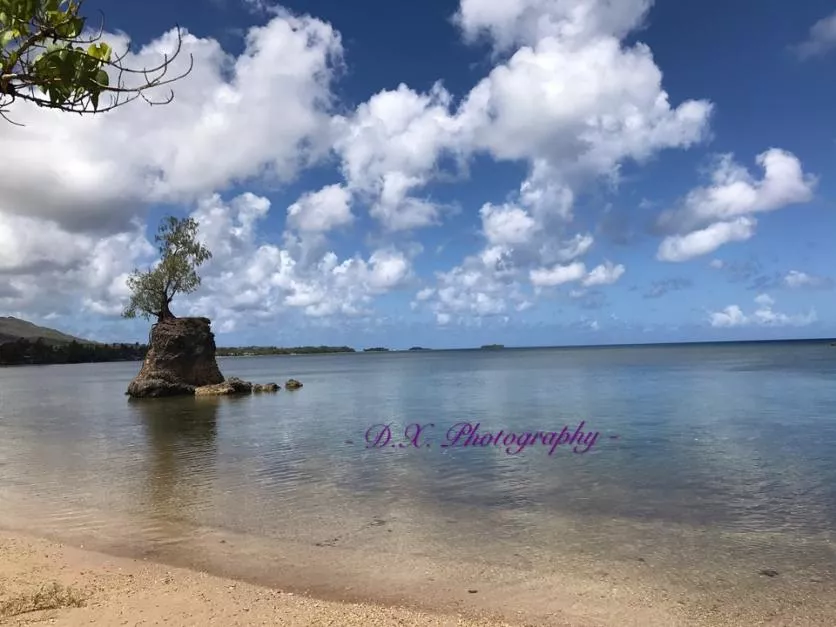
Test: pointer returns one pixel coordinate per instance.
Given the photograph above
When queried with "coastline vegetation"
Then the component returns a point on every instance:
(253, 351)
(23, 351)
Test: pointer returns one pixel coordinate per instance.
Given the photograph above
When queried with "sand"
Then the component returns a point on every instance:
(49, 582)
(43, 582)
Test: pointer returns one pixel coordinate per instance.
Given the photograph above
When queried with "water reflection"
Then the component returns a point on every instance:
(181, 436)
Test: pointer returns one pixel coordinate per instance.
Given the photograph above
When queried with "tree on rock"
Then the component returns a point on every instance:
(176, 273)
(48, 58)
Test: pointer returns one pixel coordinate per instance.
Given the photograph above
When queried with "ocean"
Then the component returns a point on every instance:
(710, 480)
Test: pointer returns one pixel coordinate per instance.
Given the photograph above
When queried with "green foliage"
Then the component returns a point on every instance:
(176, 273)
(27, 351)
(47, 57)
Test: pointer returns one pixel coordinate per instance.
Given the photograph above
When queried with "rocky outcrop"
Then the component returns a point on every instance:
(292, 384)
(234, 385)
(180, 358)
(266, 387)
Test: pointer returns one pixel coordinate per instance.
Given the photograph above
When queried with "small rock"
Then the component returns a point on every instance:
(473, 591)
(292, 384)
(768, 572)
(266, 387)
(233, 385)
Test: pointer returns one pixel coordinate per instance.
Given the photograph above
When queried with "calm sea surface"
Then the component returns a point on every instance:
(721, 455)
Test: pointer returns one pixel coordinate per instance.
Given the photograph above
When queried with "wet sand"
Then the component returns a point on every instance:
(47, 582)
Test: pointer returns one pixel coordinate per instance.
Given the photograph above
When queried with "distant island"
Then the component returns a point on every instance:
(253, 351)
(419, 348)
(492, 347)
(377, 349)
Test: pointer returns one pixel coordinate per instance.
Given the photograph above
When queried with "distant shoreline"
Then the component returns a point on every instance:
(107, 353)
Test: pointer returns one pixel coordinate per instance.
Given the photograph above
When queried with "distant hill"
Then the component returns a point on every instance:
(13, 329)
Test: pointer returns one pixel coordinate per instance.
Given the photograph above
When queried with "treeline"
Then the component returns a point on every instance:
(250, 351)
(23, 351)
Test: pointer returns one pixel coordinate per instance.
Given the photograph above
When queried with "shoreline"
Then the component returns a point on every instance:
(376, 580)
(43, 580)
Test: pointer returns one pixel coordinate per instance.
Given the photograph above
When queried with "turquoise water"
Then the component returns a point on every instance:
(720, 455)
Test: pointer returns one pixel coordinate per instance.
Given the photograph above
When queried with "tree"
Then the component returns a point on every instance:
(176, 273)
(47, 57)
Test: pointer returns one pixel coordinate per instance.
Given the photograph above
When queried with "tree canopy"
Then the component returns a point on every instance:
(176, 273)
(49, 58)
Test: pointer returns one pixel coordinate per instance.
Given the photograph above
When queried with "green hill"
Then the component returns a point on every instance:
(13, 329)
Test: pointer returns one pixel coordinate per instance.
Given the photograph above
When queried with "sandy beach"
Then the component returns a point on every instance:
(43, 582)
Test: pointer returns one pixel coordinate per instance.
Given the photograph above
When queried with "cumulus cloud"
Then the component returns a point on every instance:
(507, 224)
(321, 211)
(605, 274)
(389, 149)
(795, 279)
(558, 275)
(266, 279)
(705, 240)
(527, 22)
(221, 128)
(821, 38)
(569, 100)
(764, 315)
(573, 102)
(721, 212)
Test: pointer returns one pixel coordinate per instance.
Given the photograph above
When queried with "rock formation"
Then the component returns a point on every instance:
(233, 385)
(292, 384)
(180, 358)
(266, 387)
(181, 361)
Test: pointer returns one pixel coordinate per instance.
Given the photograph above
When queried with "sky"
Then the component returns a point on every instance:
(446, 174)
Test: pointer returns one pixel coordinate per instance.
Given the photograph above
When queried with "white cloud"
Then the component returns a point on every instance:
(764, 315)
(321, 211)
(389, 148)
(507, 224)
(571, 103)
(717, 264)
(706, 240)
(731, 316)
(265, 279)
(605, 274)
(821, 39)
(799, 280)
(558, 275)
(222, 127)
(722, 212)
(528, 21)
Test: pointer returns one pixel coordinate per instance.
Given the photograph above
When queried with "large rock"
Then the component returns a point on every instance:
(181, 357)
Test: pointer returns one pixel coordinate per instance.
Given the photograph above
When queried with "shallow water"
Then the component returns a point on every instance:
(712, 461)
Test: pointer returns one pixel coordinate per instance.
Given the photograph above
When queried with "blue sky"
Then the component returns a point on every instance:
(377, 173)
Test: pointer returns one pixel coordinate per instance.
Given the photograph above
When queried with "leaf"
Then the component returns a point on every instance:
(6, 37)
(100, 51)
